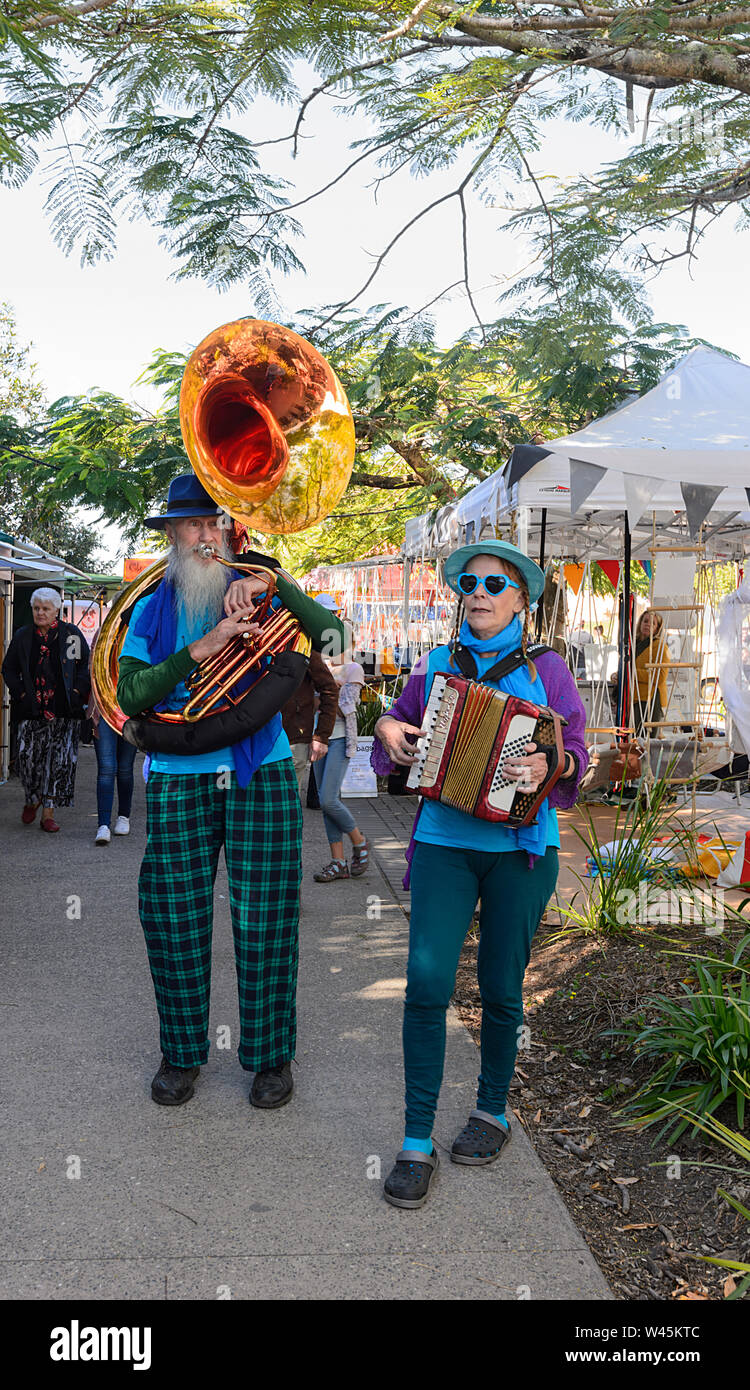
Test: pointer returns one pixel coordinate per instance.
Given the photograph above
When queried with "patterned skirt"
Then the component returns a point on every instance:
(47, 759)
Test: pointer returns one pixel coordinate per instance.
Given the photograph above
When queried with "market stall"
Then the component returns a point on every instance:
(396, 608)
(660, 480)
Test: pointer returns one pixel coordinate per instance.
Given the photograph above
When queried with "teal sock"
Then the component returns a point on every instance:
(502, 1120)
(422, 1146)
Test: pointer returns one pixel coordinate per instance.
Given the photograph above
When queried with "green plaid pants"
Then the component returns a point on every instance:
(189, 818)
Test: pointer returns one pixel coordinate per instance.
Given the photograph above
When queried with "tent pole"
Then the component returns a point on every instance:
(623, 700)
(543, 538)
(405, 614)
(523, 529)
(542, 543)
(6, 632)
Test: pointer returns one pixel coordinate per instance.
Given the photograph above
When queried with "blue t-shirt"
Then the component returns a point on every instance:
(439, 824)
(223, 759)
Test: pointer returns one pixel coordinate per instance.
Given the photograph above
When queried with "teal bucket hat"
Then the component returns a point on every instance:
(457, 562)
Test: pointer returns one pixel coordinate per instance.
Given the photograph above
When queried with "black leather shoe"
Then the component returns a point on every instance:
(272, 1088)
(173, 1085)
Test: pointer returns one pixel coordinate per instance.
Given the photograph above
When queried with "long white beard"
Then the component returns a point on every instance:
(201, 587)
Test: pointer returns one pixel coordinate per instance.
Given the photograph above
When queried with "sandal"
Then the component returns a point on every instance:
(360, 858)
(481, 1140)
(331, 871)
(408, 1182)
(28, 814)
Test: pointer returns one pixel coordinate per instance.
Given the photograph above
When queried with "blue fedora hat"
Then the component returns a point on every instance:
(186, 497)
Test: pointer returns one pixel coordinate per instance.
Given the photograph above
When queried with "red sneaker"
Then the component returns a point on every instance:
(28, 813)
(48, 824)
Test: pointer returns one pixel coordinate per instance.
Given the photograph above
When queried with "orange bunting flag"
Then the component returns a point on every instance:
(574, 576)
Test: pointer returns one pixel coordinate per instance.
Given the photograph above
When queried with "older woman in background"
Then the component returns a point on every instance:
(46, 670)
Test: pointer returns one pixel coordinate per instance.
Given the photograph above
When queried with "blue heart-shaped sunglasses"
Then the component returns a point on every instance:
(493, 584)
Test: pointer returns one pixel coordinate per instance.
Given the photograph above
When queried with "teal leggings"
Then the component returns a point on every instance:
(445, 886)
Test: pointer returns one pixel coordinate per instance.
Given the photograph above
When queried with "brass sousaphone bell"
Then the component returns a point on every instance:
(269, 432)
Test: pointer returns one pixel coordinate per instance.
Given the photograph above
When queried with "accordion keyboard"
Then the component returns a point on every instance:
(428, 762)
(503, 789)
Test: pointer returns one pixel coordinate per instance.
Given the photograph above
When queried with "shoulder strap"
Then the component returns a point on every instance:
(468, 667)
(464, 660)
(256, 557)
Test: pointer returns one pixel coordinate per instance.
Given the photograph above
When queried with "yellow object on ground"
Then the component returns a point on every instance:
(713, 854)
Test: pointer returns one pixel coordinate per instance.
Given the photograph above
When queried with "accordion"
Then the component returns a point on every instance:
(470, 732)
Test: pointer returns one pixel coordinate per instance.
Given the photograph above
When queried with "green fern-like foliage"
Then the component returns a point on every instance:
(431, 421)
(147, 111)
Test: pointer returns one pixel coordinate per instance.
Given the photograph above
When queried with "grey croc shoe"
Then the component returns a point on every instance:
(481, 1140)
(408, 1182)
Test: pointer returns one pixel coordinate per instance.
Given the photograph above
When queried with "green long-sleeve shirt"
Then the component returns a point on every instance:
(141, 686)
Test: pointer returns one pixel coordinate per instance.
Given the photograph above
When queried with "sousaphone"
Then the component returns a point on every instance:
(269, 432)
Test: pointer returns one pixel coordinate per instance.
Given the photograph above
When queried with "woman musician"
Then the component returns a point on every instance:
(456, 859)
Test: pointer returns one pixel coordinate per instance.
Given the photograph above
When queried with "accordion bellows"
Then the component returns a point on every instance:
(471, 731)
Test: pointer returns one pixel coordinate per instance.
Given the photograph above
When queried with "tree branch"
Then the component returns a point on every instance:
(444, 198)
(382, 144)
(100, 71)
(432, 301)
(351, 72)
(465, 250)
(425, 471)
(527, 166)
(595, 21)
(221, 104)
(644, 66)
(408, 23)
(64, 17)
(376, 480)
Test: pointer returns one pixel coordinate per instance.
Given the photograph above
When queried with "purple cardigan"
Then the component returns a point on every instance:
(562, 696)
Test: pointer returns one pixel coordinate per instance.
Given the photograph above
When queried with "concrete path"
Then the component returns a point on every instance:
(216, 1199)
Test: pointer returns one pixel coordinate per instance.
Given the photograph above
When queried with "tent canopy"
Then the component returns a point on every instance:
(680, 451)
(692, 427)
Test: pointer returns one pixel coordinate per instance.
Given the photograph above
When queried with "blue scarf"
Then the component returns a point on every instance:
(532, 838)
(157, 623)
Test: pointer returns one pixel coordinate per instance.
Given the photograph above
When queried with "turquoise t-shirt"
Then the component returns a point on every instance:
(223, 758)
(439, 824)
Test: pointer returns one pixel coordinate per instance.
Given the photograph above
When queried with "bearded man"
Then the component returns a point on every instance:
(244, 798)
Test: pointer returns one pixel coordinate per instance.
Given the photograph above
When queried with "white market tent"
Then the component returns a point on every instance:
(679, 454)
(674, 462)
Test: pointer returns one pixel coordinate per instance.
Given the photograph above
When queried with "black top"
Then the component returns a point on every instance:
(69, 662)
(46, 671)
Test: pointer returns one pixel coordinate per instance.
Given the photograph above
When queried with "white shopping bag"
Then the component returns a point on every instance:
(359, 778)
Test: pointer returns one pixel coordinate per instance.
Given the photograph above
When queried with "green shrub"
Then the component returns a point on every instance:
(368, 714)
(638, 823)
(701, 1044)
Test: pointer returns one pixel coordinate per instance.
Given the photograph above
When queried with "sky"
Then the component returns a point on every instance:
(97, 327)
